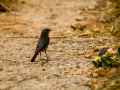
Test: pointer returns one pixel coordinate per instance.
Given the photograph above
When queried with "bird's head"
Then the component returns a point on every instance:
(45, 31)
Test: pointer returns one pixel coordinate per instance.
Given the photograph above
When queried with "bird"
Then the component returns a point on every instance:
(42, 44)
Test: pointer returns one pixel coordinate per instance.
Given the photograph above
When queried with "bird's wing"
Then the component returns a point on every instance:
(41, 46)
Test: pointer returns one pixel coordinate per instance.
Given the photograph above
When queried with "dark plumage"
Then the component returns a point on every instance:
(42, 44)
(103, 51)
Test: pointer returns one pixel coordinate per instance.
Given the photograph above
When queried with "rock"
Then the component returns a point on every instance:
(57, 75)
(79, 72)
(112, 72)
(82, 65)
(43, 69)
(83, 84)
(78, 26)
(95, 49)
(97, 84)
(113, 82)
(87, 55)
(78, 67)
(80, 18)
(100, 71)
(89, 74)
(110, 50)
(92, 6)
(59, 49)
(95, 75)
(1, 69)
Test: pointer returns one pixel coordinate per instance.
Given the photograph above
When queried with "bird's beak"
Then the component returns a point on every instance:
(50, 30)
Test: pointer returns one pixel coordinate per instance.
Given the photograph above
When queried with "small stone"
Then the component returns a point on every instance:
(1, 69)
(78, 19)
(23, 2)
(100, 71)
(63, 86)
(42, 64)
(89, 74)
(91, 7)
(88, 55)
(83, 84)
(113, 82)
(95, 49)
(59, 49)
(110, 50)
(53, 68)
(112, 72)
(82, 65)
(96, 84)
(7, 28)
(78, 67)
(79, 72)
(95, 75)
(56, 75)
(43, 69)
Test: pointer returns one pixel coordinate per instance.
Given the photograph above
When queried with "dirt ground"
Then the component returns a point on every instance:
(19, 33)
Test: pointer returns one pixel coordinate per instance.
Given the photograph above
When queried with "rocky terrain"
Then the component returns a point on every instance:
(19, 33)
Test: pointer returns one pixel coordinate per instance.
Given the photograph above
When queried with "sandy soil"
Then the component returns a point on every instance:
(19, 33)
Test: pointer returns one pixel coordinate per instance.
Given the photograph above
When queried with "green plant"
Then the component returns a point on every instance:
(105, 61)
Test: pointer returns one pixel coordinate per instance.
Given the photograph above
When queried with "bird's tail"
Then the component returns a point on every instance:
(34, 57)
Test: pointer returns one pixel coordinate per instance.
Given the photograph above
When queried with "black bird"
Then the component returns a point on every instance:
(42, 44)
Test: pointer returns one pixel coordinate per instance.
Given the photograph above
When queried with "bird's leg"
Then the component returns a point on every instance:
(40, 55)
(46, 55)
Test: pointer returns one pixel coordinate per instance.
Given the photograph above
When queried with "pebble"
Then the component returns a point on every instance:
(95, 75)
